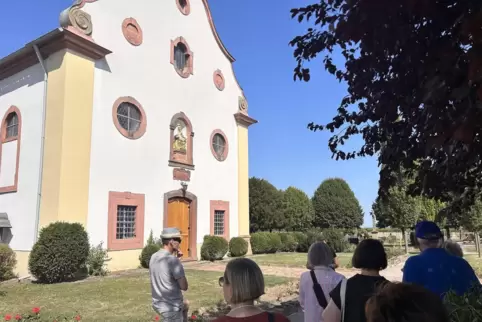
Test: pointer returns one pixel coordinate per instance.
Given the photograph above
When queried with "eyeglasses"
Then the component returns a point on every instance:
(179, 240)
(221, 281)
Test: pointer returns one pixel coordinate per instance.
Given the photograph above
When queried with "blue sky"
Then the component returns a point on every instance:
(282, 150)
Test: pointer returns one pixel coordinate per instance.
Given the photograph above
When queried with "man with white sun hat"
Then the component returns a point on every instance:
(168, 279)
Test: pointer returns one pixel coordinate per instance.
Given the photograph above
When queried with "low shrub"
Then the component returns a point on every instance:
(274, 243)
(97, 261)
(238, 247)
(301, 242)
(466, 307)
(336, 239)
(214, 248)
(146, 254)
(265, 243)
(288, 242)
(8, 260)
(259, 243)
(61, 251)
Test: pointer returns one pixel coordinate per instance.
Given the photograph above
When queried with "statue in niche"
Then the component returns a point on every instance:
(180, 137)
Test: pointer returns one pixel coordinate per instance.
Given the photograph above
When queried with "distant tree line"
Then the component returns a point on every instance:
(333, 205)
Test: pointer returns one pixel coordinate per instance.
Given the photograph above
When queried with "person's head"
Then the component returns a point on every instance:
(370, 255)
(453, 248)
(428, 235)
(242, 282)
(394, 302)
(171, 239)
(319, 254)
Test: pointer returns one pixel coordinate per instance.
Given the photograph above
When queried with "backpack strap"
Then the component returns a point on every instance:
(320, 295)
(270, 317)
(343, 298)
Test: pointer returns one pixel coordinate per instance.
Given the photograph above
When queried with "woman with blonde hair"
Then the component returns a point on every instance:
(243, 284)
(318, 282)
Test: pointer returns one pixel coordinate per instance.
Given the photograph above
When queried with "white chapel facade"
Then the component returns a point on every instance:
(128, 118)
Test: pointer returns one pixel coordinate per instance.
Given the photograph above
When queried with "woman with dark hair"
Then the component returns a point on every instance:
(405, 303)
(348, 299)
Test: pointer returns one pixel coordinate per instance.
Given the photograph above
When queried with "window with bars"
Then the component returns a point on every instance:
(219, 222)
(129, 117)
(11, 125)
(219, 144)
(126, 222)
(180, 56)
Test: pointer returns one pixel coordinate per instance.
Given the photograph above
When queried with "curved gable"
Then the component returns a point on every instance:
(81, 3)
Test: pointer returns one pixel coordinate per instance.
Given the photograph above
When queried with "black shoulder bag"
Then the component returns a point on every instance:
(320, 296)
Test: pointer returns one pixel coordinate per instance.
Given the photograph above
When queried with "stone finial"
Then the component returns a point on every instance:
(243, 105)
(77, 18)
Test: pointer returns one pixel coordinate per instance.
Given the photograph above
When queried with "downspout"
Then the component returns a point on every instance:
(42, 142)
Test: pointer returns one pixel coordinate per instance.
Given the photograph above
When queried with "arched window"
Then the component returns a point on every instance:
(182, 57)
(181, 142)
(10, 132)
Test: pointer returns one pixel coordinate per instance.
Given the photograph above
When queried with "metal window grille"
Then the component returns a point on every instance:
(180, 56)
(129, 117)
(126, 222)
(219, 144)
(219, 222)
(12, 125)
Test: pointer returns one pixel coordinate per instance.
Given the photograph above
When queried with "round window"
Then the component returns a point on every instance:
(129, 117)
(219, 146)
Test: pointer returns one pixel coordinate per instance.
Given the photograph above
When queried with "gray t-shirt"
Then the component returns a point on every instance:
(165, 269)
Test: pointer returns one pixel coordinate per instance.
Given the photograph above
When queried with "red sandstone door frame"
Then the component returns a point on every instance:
(192, 218)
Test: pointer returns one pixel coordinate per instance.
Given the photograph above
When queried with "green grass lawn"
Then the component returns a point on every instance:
(476, 263)
(293, 259)
(126, 298)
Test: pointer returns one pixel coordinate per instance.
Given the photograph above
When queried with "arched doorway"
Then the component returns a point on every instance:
(180, 211)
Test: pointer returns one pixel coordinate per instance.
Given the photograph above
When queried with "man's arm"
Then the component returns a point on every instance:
(411, 273)
(178, 274)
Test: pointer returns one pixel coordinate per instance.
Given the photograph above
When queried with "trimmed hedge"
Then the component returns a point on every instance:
(60, 252)
(301, 240)
(146, 254)
(336, 239)
(8, 260)
(288, 242)
(214, 248)
(238, 247)
(265, 243)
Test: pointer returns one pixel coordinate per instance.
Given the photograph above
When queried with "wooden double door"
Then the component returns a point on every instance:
(178, 216)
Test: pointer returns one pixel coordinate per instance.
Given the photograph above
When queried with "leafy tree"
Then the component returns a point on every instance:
(413, 72)
(381, 216)
(336, 206)
(297, 209)
(429, 208)
(265, 205)
(398, 209)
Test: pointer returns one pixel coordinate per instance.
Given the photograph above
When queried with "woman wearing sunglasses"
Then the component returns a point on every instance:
(243, 284)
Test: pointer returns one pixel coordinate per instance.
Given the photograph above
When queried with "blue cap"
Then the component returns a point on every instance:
(428, 230)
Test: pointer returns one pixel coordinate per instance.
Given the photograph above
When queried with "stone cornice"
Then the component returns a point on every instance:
(244, 119)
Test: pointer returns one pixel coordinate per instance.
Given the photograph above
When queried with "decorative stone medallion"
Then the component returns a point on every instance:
(218, 79)
(132, 31)
(243, 105)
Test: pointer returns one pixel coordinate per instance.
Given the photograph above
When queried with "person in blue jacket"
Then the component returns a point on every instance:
(436, 269)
